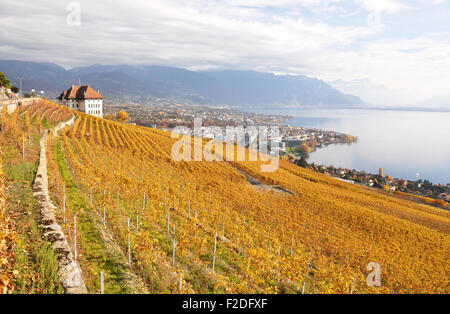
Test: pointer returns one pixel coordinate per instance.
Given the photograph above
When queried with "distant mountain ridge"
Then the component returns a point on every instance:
(375, 94)
(226, 87)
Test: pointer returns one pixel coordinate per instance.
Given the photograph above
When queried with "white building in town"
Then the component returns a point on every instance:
(83, 98)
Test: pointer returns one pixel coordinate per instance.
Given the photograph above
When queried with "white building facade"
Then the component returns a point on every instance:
(84, 99)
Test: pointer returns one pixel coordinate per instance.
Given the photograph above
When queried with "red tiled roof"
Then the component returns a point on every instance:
(80, 92)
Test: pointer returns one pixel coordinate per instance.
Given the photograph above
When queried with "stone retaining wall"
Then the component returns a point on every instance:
(68, 269)
(12, 104)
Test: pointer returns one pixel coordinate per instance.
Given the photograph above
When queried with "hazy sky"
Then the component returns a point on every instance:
(398, 43)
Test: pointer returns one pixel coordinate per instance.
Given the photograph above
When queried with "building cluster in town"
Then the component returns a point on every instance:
(418, 187)
(169, 115)
(300, 141)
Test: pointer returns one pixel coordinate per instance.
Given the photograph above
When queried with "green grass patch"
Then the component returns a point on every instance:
(45, 123)
(35, 264)
(94, 256)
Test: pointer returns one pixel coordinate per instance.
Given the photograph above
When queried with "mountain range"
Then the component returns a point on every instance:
(375, 94)
(378, 95)
(240, 88)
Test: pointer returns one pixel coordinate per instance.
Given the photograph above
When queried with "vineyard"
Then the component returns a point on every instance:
(6, 233)
(27, 262)
(151, 224)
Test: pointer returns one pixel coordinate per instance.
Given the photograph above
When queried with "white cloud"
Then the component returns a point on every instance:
(383, 6)
(255, 34)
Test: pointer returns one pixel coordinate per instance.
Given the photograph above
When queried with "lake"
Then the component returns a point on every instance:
(403, 143)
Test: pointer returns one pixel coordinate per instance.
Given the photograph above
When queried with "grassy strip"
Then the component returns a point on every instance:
(35, 263)
(94, 256)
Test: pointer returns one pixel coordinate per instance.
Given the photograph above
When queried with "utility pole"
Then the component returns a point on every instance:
(20, 78)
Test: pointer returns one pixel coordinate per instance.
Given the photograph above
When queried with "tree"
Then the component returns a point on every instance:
(15, 89)
(4, 81)
(440, 202)
(122, 116)
(302, 162)
(109, 117)
(305, 148)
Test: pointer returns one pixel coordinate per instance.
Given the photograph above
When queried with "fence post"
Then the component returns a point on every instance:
(143, 203)
(214, 257)
(137, 220)
(292, 246)
(168, 224)
(102, 286)
(64, 203)
(129, 245)
(223, 226)
(75, 235)
(278, 260)
(173, 247)
(118, 204)
(165, 199)
(248, 268)
(352, 287)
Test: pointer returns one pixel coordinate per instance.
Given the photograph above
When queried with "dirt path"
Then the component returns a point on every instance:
(265, 187)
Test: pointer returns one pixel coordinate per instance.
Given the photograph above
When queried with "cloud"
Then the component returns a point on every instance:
(383, 6)
(283, 36)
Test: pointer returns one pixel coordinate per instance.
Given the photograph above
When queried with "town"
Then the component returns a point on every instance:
(167, 115)
(426, 192)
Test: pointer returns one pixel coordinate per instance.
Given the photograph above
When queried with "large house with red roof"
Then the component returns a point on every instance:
(83, 98)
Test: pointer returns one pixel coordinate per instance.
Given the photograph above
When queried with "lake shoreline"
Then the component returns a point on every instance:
(407, 144)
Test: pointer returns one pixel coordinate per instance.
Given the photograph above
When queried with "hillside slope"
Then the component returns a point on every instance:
(203, 225)
(323, 235)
